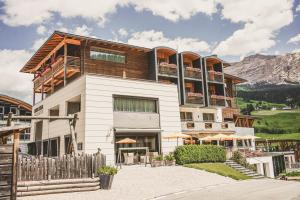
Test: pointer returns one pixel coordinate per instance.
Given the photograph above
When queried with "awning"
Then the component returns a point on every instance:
(137, 130)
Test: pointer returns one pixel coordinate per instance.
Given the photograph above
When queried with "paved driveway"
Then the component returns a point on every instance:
(138, 182)
(245, 190)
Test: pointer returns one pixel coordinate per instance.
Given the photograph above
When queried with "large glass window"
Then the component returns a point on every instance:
(186, 116)
(132, 104)
(101, 55)
(208, 117)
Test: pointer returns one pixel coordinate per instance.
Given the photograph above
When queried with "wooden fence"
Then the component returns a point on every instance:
(65, 167)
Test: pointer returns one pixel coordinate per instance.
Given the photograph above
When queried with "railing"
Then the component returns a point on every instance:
(215, 76)
(194, 98)
(167, 69)
(194, 73)
(229, 112)
(217, 100)
(34, 168)
(55, 68)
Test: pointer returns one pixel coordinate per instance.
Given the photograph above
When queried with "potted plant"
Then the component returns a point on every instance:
(106, 175)
(157, 161)
(169, 159)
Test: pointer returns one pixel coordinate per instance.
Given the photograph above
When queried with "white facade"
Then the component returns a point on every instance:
(95, 127)
(264, 165)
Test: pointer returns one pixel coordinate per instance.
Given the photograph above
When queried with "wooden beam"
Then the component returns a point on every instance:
(15, 164)
(65, 63)
(49, 55)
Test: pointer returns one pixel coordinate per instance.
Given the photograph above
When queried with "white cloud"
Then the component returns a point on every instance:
(298, 7)
(17, 13)
(123, 32)
(154, 38)
(38, 43)
(262, 20)
(295, 39)
(13, 82)
(82, 30)
(176, 10)
(41, 30)
(296, 51)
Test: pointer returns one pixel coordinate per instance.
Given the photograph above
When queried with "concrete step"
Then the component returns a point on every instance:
(243, 170)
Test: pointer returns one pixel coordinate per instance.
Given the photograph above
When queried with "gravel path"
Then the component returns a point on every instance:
(139, 182)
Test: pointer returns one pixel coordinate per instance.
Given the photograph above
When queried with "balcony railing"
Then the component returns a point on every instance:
(215, 76)
(194, 73)
(167, 69)
(55, 68)
(194, 98)
(217, 100)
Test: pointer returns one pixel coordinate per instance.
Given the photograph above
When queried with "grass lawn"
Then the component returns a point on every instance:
(278, 122)
(279, 136)
(219, 168)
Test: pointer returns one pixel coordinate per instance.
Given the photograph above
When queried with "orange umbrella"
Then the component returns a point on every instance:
(126, 141)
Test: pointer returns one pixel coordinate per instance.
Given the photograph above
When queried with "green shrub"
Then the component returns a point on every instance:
(240, 159)
(199, 154)
(169, 157)
(107, 170)
(159, 158)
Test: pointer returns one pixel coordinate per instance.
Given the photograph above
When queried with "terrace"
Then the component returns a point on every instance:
(193, 92)
(191, 63)
(167, 62)
(214, 70)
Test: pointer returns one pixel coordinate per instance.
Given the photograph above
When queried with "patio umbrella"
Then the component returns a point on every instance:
(126, 141)
(176, 136)
(248, 137)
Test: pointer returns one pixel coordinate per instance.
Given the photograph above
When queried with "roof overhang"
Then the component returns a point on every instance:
(235, 79)
(16, 102)
(56, 41)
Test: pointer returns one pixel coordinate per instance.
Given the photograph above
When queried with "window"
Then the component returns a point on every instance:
(68, 144)
(38, 130)
(54, 147)
(224, 126)
(132, 104)
(54, 112)
(1, 112)
(208, 125)
(102, 55)
(73, 107)
(208, 117)
(186, 116)
(13, 110)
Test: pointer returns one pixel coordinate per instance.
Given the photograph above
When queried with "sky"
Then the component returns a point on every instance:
(232, 29)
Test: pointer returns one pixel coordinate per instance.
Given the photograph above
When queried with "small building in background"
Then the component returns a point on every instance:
(17, 107)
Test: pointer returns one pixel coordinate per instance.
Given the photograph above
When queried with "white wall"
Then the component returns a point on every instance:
(259, 161)
(60, 128)
(99, 110)
(241, 131)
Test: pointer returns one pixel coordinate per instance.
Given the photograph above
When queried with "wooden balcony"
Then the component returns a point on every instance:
(217, 100)
(228, 113)
(194, 73)
(215, 76)
(55, 73)
(194, 98)
(165, 68)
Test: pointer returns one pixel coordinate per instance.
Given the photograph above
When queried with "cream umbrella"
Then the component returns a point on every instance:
(248, 137)
(126, 141)
(176, 136)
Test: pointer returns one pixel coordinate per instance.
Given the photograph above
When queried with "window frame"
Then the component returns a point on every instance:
(186, 119)
(108, 52)
(156, 106)
(208, 120)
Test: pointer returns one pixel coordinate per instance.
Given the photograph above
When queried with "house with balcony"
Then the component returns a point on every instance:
(119, 91)
(15, 106)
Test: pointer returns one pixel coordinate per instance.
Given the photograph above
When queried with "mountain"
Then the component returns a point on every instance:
(268, 69)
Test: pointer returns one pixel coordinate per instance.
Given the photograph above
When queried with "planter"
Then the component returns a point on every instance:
(106, 181)
(157, 163)
(169, 162)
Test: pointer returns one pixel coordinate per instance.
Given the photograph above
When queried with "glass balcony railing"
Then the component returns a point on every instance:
(215, 76)
(194, 98)
(217, 100)
(194, 73)
(167, 69)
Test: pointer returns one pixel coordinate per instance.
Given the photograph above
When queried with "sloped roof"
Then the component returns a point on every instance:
(15, 101)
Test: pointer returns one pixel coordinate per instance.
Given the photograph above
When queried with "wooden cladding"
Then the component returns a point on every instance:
(135, 66)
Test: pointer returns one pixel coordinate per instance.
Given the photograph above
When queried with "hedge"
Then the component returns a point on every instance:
(199, 154)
